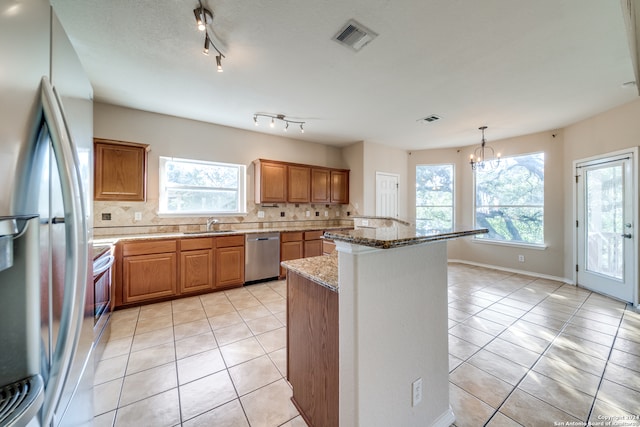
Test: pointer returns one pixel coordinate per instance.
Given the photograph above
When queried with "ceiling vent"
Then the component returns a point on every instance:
(430, 119)
(354, 35)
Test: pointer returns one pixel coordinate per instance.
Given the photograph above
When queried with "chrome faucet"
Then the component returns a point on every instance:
(210, 222)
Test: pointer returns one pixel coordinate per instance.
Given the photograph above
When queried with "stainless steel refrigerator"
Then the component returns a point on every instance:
(46, 285)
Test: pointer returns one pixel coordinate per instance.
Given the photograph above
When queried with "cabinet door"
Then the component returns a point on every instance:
(339, 186)
(299, 184)
(229, 266)
(312, 248)
(271, 182)
(196, 270)
(290, 250)
(320, 186)
(146, 277)
(120, 171)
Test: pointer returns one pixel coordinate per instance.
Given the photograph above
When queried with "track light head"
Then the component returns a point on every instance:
(205, 51)
(203, 17)
(273, 123)
(255, 120)
(219, 63)
(301, 128)
(286, 127)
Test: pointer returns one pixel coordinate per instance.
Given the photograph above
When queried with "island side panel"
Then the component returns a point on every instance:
(393, 330)
(312, 349)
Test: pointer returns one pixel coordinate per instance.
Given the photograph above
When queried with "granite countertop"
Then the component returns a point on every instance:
(394, 237)
(101, 240)
(322, 270)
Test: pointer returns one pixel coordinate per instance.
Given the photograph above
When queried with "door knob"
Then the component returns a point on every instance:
(626, 235)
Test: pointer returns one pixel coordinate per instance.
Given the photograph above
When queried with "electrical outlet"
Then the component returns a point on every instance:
(365, 222)
(317, 213)
(106, 217)
(416, 395)
(281, 213)
(520, 258)
(337, 213)
(326, 213)
(307, 213)
(260, 214)
(137, 216)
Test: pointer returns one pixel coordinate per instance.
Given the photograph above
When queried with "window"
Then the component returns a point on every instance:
(199, 187)
(434, 199)
(510, 200)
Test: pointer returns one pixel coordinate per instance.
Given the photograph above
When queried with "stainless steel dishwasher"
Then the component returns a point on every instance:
(262, 256)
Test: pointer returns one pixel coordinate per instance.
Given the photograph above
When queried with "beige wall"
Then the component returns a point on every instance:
(545, 262)
(380, 158)
(614, 130)
(610, 131)
(354, 158)
(177, 137)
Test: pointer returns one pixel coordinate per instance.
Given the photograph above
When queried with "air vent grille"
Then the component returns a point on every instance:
(354, 35)
(430, 118)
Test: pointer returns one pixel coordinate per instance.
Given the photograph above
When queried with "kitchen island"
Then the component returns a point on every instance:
(374, 315)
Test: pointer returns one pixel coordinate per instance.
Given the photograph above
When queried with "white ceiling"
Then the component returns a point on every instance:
(516, 66)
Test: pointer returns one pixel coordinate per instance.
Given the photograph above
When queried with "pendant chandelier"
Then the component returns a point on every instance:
(484, 155)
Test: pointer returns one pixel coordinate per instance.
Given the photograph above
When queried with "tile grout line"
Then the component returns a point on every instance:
(541, 354)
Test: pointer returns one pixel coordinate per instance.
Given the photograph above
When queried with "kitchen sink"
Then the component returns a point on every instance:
(211, 232)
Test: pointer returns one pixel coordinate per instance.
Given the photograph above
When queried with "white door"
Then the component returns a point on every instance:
(605, 226)
(387, 194)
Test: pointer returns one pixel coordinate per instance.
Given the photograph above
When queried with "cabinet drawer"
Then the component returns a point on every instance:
(328, 246)
(291, 236)
(227, 241)
(313, 235)
(197, 243)
(149, 247)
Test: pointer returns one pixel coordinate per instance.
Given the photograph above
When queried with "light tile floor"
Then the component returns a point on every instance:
(522, 351)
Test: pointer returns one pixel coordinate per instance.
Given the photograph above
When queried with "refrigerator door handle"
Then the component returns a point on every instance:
(76, 262)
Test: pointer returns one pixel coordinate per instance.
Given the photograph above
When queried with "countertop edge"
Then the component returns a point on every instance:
(322, 270)
(401, 242)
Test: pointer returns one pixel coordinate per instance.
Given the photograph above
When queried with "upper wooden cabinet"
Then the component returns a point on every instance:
(299, 184)
(270, 182)
(320, 185)
(120, 170)
(280, 182)
(340, 186)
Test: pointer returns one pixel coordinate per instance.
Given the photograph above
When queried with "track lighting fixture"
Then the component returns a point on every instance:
(484, 155)
(204, 17)
(280, 117)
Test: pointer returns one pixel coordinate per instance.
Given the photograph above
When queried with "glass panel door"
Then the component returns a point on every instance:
(605, 240)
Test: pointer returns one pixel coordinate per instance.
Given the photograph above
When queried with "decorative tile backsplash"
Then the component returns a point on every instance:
(124, 218)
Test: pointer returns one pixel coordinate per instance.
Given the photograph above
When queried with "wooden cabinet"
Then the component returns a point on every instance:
(328, 246)
(154, 270)
(340, 186)
(197, 264)
(270, 182)
(149, 271)
(313, 349)
(281, 182)
(229, 261)
(298, 184)
(120, 170)
(313, 243)
(320, 185)
(291, 247)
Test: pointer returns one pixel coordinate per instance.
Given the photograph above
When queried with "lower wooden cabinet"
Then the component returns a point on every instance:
(313, 243)
(230, 266)
(291, 247)
(148, 277)
(152, 270)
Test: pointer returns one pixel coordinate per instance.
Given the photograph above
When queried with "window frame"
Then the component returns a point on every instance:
(511, 243)
(241, 196)
(453, 192)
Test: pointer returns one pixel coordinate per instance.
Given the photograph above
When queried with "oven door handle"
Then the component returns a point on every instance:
(104, 265)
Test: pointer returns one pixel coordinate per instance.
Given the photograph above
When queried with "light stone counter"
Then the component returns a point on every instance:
(322, 270)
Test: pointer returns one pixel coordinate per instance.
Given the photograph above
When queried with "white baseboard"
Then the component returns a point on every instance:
(513, 270)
